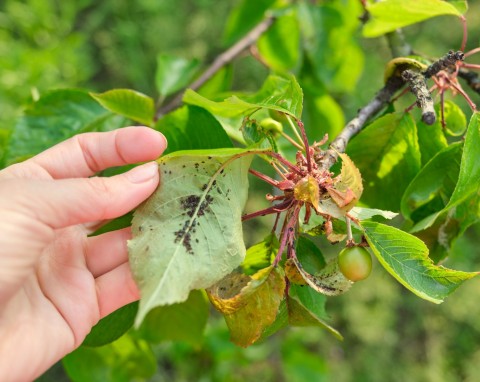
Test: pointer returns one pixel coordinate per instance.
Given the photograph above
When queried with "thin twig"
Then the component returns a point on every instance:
(223, 59)
(418, 86)
(353, 127)
(471, 78)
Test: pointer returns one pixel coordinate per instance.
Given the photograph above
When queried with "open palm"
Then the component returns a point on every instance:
(55, 281)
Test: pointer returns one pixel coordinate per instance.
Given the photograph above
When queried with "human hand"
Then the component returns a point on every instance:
(55, 282)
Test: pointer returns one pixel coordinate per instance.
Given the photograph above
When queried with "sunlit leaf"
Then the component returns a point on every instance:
(277, 93)
(188, 235)
(173, 73)
(389, 15)
(260, 255)
(128, 103)
(362, 213)
(405, 257)
(249, 303)
(279, 47)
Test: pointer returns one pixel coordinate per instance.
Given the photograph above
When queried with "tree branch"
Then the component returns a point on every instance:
(223, 59)
(471, 78)
(353, 127)
(418, 86)
(381, 99)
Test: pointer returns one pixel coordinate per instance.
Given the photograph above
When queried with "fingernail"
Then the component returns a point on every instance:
(143, 173)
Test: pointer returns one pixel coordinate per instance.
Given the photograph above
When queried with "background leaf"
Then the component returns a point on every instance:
(173, 73)
(387, 154)
(260, 255)
(128, 103)
(185, 321)
(124, 360)
(197, 238)
(389, 15)
(431, 189)
(56, 116)
(307, 308)
(406, 258)
(279, 47)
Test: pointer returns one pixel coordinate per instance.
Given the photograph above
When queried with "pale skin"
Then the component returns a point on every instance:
(55, 281)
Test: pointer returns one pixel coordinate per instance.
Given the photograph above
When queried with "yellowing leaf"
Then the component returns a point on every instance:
(349, 187)
(307, 190)
(329, 281)
(249, 303)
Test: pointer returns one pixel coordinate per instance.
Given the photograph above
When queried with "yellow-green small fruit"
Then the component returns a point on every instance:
(355, 263)
(271, 126)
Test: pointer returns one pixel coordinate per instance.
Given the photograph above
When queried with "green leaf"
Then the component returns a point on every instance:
(188, 235)
(321, 112)
(279, 47)
(330, 41)
(455, 120)
(362, 213)
(173, 73)
(431, 139)
(461, 5)
(191, 127)
(467, 186)
(387, 154)
(389, 15)
(111, 327)
(277, 93)
(249, 304)
(124, 360)
(128, 103)
(244, 17)
(431, 189)
(468, 180)
(185, 321)
(260, 255)
(406, 258)
(307, 308)
(56, 116)
(219, 83)
(309, 255)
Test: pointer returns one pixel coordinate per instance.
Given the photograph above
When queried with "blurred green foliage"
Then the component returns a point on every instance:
(390, 334)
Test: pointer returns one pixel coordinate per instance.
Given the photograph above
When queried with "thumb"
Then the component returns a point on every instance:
(65, 202)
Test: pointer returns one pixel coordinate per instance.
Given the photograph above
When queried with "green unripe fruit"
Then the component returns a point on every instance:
(355, 263)
(271, 126)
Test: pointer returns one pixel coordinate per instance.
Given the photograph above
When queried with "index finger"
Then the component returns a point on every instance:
(86, 154)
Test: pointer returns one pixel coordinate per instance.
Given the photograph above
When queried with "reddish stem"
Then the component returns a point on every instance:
(471, 66)
(472, 52)
(459, 89)
(270, 210)
(465, 32)
(264, 177)
(285, 162)
(288, 230)
(305, 143)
